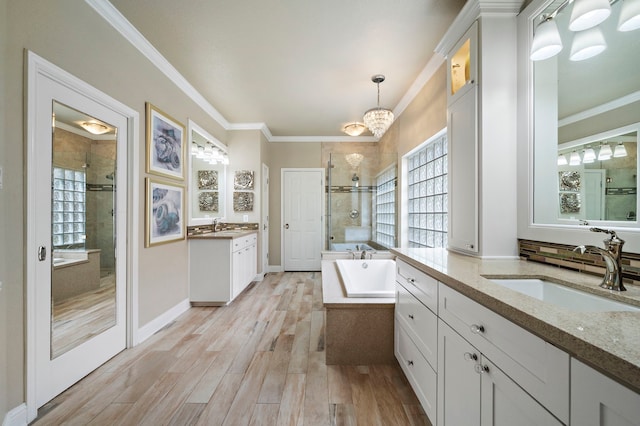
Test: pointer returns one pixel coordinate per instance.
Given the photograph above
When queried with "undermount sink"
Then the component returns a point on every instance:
(563, 296)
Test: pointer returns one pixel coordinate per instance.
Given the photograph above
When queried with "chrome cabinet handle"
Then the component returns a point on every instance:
(477, 329)
(409, 363)
(481, 369)
(411, 280)
(470, 356)
(411, 316)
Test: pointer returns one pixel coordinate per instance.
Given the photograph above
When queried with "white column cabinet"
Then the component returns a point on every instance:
(596, 400)
(480, 47)
(221, 268)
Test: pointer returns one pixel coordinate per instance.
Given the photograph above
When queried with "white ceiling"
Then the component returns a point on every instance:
(303, 68)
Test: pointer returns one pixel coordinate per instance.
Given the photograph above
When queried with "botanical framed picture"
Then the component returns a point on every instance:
(164, 213)
(165, 144)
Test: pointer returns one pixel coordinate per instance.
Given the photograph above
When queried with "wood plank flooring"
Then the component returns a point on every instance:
(258, 361)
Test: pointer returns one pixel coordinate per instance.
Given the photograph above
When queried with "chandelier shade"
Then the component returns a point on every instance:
(629, 16)
(354, 129)
(546, 41)
(378, 119)
(588, 13)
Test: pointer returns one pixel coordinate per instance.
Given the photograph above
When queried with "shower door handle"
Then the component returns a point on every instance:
(286, 226)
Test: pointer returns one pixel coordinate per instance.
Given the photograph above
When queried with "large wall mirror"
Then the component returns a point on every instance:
(207, 177)
(586, 115)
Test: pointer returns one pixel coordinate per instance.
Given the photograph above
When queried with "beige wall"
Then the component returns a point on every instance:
(285, 155)
(71, 35)
(6, 401)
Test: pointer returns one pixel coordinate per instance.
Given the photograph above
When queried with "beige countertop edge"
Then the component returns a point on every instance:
(596, 345)
(333, 296)
(222, 235)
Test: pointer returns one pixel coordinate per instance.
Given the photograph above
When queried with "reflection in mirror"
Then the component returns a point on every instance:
(579, 104)
(83, 264)
(597, 178)
(209, 161)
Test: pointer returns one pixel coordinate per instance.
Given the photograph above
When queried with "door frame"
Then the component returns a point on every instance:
(323, 205)
(37, 67)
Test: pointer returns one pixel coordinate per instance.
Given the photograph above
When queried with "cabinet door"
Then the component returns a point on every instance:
(462, 125)
(238, 273)
(458, 382)
(599, 401)
(504, 403)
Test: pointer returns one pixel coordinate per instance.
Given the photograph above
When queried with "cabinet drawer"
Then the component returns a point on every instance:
(419, 323)
(423, 379)
(539, 367)
(243, 242)
(421, 285)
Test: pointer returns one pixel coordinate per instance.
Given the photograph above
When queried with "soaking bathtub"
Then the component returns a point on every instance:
(368, 278)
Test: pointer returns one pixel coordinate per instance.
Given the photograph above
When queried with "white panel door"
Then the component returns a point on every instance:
(51, 371)
(302, 218)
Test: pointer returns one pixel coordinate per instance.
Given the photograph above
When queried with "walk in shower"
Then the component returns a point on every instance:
(360, 197)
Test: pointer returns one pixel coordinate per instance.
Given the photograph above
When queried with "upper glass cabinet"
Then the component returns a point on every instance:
(462, 64)
(207, 177)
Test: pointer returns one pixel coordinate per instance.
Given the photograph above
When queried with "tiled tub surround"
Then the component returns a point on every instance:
(358, 330)
(607, 341)
(562, 255)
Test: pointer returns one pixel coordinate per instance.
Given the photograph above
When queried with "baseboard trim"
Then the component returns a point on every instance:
(274, 268)
(16, 416)
(161, 321)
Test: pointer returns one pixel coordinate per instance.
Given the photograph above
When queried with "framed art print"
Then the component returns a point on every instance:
(165, 144)
(164, 215)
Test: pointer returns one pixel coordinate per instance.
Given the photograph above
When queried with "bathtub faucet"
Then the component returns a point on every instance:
(363, 255)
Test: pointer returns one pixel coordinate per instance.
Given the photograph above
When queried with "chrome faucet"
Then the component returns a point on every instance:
(363, 255)
(612, 255)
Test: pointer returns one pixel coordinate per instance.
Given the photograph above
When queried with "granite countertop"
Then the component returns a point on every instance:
(223, 235)
(607, 341)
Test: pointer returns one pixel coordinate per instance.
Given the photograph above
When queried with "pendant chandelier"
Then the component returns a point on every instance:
(378, 119)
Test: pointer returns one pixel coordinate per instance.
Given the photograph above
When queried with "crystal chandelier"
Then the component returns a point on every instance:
(378, 119)
(354, 159)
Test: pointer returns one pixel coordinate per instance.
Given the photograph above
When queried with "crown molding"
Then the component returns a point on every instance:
(471, 11)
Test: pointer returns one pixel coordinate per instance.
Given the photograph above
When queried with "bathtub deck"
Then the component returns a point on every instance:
(359, 330)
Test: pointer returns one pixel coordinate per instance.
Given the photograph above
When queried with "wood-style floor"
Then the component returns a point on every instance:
(258, 361)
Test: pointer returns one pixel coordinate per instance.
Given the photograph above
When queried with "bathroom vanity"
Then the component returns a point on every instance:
(474, 349)
(221, 265)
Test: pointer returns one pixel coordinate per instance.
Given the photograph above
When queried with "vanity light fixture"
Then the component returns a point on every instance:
(378, 119)
(588, 14)
(574, 159)
(562, 160)
(587, 44)
(94, 127)
(546, 41)
(588, 155)
(605, 152)
(620, 151)
(354, 129)
(629, 15)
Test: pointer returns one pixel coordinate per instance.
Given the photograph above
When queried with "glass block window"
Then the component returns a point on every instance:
(386, 183)
(427, 194)
(68, 208)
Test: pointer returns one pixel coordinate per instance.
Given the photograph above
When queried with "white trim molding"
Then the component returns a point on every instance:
(16, 416)
(162, 320)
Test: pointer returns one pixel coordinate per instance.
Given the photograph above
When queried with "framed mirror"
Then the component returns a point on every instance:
(207, 177)
(581, 107)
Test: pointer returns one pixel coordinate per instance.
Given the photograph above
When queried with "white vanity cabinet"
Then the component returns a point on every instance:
(220, 268)
(597, 400)
(472, 388)
(537, 366)
(416, 330)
